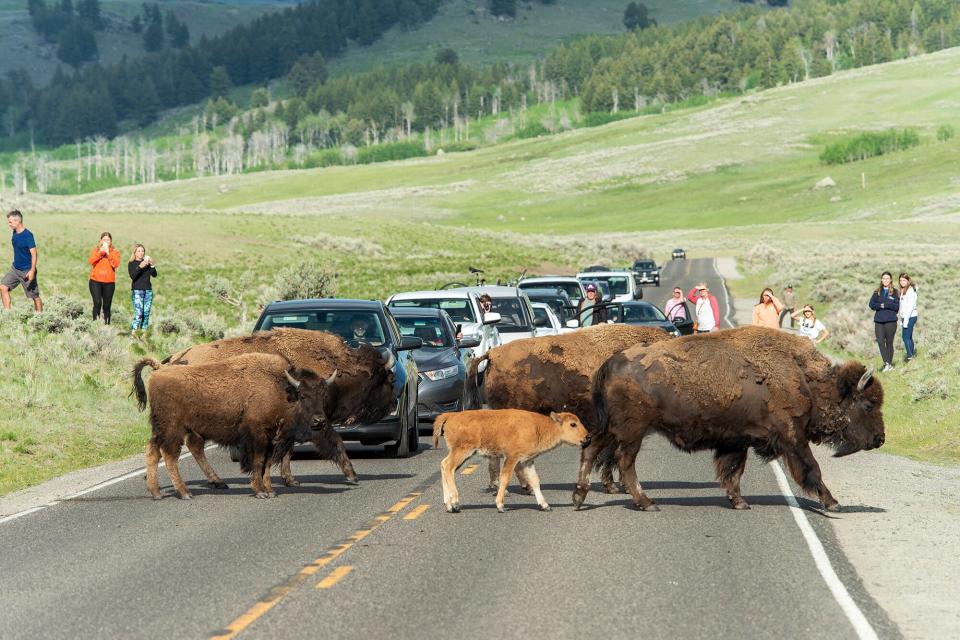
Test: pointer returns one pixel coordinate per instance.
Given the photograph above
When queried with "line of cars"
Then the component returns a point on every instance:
(435, 334)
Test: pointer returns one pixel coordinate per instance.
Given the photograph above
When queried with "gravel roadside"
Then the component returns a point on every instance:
(901, 529)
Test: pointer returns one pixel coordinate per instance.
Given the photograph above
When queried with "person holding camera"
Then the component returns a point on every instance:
(103, 278)
(141, 268)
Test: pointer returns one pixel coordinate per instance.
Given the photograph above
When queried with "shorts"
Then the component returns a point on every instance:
(15, 278)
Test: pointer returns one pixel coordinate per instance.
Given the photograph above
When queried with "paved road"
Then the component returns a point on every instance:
(383, 559)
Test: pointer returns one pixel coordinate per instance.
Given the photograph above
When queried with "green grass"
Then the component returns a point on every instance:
(719, 180)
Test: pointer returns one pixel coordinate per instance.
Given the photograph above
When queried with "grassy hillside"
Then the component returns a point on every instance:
(478, 37)
(732, 179)
(22, 48)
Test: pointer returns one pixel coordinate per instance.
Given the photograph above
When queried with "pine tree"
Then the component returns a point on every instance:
(153, 34)
(507, 8)
(89, 10)
(220, 83)
(77, 44)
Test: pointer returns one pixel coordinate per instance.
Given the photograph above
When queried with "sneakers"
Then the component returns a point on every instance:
(886, 367)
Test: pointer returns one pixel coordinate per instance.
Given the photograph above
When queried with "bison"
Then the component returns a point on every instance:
(363, 391)
(518, 436)
(553, 373)
(258, 402)
(729, 391)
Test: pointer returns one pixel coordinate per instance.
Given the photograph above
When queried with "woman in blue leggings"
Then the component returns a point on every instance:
(141, 269)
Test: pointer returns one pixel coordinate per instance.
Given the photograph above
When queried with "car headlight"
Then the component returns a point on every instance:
(442, 374)
(676, 332)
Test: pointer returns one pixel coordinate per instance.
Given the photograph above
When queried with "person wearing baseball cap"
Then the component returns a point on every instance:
(591, 316)
(707, 314)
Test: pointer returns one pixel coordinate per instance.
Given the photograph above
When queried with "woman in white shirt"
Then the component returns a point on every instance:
(810, 327)
(907, 313)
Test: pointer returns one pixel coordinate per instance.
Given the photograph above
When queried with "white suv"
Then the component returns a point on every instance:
(623, 287)
(512, 308)
(571, 285)
(462, 306)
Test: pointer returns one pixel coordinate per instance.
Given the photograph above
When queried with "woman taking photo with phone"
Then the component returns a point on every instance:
(141, 268)
(885, 303)
(103, 278)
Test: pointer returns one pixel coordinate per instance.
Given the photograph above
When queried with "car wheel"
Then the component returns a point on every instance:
(401, 448)
(414, 436)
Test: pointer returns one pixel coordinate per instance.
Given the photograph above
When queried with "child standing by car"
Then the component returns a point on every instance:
(908, 313)
(141, 268)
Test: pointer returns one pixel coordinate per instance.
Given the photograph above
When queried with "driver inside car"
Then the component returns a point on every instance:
(358, 329)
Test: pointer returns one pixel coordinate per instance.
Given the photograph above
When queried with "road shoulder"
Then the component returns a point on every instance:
(900, 528)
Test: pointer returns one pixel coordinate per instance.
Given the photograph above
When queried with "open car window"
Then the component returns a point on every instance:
(360, 326)
(433, 332)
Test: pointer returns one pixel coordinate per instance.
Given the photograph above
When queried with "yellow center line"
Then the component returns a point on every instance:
(284, 589)
(468, 470)
(335, 576)
(416, 513)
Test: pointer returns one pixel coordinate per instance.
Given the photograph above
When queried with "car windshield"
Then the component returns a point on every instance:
(619, 285)
(356, 326)
(571, 288)
(458, 309)
(556, 304)
(643, 264)
(512, 316)
(641, 313)
(431, 330)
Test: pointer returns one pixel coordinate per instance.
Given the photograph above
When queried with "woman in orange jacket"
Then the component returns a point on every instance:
(105, 260)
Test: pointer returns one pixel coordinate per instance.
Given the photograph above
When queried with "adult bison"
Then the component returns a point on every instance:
(553, 373)
(362, 393)
(257, 402)
(729, 391)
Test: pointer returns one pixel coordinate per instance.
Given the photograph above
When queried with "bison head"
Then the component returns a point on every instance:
(859, 423)
(368, 394)
(312, 394)
(572, 430)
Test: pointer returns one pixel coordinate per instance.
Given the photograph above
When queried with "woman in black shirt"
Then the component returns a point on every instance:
(141, 269)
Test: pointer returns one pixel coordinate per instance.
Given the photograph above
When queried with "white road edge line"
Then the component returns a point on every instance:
(723, 283)
(90, 489)
(859, 621)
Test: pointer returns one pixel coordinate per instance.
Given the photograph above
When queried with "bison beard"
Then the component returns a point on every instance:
(759, 388)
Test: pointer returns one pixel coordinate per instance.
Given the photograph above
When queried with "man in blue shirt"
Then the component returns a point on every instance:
(24, 268)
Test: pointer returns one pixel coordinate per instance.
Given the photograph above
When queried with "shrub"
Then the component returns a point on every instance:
(599, 118)
(868, 145)
(928, 388)
(325, 158)
(303, 280)
(168, 326)
(391, 151)
(207, 326)
(465, 145)
(760, 257)
(532, 130)
(945, 132)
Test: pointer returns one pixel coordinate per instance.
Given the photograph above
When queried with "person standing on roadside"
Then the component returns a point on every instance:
(707, 314)
(103, 277)
(810, 327)
(141, 268)
(767, 312)
(907, 314)
(676, 307)
(789, 304)
(23, 271)
(885, 303)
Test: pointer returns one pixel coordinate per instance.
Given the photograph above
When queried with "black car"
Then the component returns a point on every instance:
(679, 254)
(442, 370)
(370, 322)
(644, 314)
(646, 272)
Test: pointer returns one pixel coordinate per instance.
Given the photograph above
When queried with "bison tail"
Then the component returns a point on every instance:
(438, 429)
(601, 416)
(139, 390)
(472, 398)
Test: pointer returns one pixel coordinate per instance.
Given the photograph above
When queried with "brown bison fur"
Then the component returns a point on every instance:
(517, 436)
(729, 391)
(362, 393)
(258, 402)
(554, 373)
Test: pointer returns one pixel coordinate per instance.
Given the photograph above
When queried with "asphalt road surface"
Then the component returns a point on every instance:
(328, 560)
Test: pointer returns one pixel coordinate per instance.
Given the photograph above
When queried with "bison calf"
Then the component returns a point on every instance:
(257, 402)
(518, 436)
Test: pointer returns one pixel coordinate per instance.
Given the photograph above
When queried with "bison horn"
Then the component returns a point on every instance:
(293, 381)
(333, 376)
(864, 379)
(386, 355)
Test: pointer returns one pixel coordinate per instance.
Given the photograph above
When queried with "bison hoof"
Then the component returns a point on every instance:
(741, 506)
(453, 508)
(186, 496)
(545, 507)
(353, 480)
(158, 497)
(611, 488)
(292, 482)
(261, 494)
(491, 488)
(578, 499)
(219, 485)
(835, 507)
(649, 507)
(501, 508)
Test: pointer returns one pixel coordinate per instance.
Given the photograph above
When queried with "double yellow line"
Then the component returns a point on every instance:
(285, 588)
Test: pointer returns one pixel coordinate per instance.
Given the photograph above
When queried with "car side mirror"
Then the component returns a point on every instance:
(410, 342)
(541, 322)
(638, 294)
(491, 317)
(573, 324)
(469, 343)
